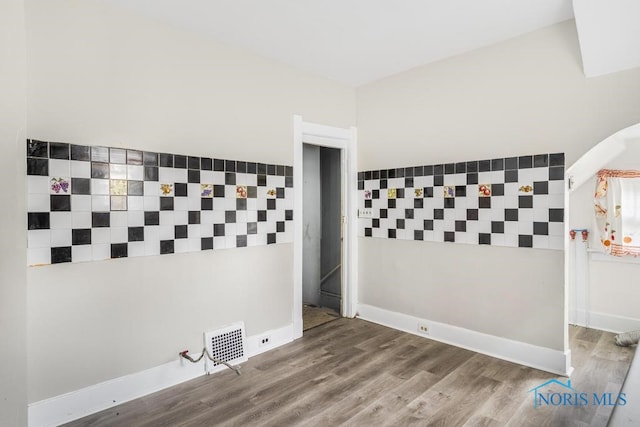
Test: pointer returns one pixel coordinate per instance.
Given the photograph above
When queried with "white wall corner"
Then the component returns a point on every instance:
(98, 397)
(546, 359)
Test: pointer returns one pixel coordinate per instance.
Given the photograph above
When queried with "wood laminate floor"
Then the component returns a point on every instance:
(355, 373)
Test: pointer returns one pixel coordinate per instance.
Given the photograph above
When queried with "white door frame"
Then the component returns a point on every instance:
(346, 141)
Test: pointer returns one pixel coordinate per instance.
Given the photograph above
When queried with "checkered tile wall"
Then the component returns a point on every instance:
(93, 203)
(514, 201)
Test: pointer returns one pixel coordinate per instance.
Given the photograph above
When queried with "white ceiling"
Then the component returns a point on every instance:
(357, 41)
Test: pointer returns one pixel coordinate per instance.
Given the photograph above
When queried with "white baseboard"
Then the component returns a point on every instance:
(545, 359)
(612, 323)
(80, 403)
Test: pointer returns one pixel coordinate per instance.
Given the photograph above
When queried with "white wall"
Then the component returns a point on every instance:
(13, 303)
(523, 96)
(100, 75)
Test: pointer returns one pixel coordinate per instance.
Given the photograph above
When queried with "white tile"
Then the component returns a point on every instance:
(80, 202)
(81, 253)
(38, 256)
(241, 217)
(117, 155)
(230, 241)
(59, 168)
(206, 177)
(117, 171)
(180, 175)
(541, 201)
(152, 234)
(511, 240)
(151, 188)
(135, 203)
(193, 203)
(167, 232)
(556, 229)
(119, 234)
(556, 201)
(230, 230)
(525, 227)
(100, 203)
(181, 217)
(167, 218)
(119, 219)
(540, 174)
(151, 247)
(208, 217)
(135, 172)
(556, 242)
(181, 246)
(135, 249)
(180, 204)
(498, 239)
(99, 187)
(166, 175)
(540, 242)
(100, 236)
(241, 229)
(60, 238)
(135, 218)
(510, 227)
(220, 242)
(556, 187)
(525, 176)
(195, 244)
(206, 230)
(540, 215)
(80, 169)
(38, 184)
(101, 252)
(193, 231)
(80, 220)
(151, 203)
(60, 220)
(39, 239)
(38, 203)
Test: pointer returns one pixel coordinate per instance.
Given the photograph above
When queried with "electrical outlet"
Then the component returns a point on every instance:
(365, 213)
(266, 340)
(423, 328)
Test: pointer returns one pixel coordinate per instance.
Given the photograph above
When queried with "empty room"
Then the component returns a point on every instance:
(319, 213)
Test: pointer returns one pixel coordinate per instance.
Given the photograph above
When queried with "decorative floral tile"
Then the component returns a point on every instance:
(118, 187)
(241, 191)
(60, 186)
(484, 190)
(166, 190)
(367, 194)
(391, 193)
(449, 191)
(418, 192)
(206, 191)
(526, 189)
(271, 192)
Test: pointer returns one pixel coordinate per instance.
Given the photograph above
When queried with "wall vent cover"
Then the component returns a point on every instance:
(227, 344)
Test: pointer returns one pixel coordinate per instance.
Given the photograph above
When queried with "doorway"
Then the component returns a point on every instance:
(322, 235)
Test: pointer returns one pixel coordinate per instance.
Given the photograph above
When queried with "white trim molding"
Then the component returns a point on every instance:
(545, 359)
(612, 323)
(98, 397)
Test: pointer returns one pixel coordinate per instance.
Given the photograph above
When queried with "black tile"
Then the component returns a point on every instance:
(206, 163)
(60, 203)
(194, 217)
(525, 162)
(472, 167)
(81, 186)
(472, 178)
(193, 162)
(218, 230)
(241, 167)
(556, 173)
(418, 203)
(179, 162)
(438, 169)
(375, 223)
(271, 204)
(218, 191)
(541, 187)
(135, 234)
(60, 255)
(241, 204)
(280, 226)
(279, 193)
(450, 203)
(151, 218)
(252, 228)
(449, 236)
(408, 173)
(484, 165)
(391, 203)
(367, 232)
(400, 224)
(511, 175)
(484, 238)
(511, 214)
(271, 169)
(484, 202)
(80, 152)
(366, 175)
(461, 190)
(399, 193)
(166, 160)
(525, 241)
(472, 214)
(37, 148)
(525, 201)
(229, 165)
(119, 250)
(100, 219)
(262, 216)
(418, 171)
(288, 171)
(438, 214)
(288, 215)
(81, 236)
(230, 178)
(180, 189)
(383, 184)
(99, 170)
(38, 221)
(262, 169)
(135, 157)
(206, 204)
(281, 170)
(150, 173)
(540, 160)
(449, 168)
(408, 182)
(149, 158)
(37, 166)
(166, 203)
(181, 231)
(206, 243)
(438, 180)
(400, 173)
(428, 224)
(288, 181)
(218, 165)
(461, 226)
(166, 247)
(375, 194)
(271, 238)
(135, 188)
(384, 213)
(241, 241)
(428, 170)
(497, 226)
(511, 163)
(229, 217)
(360, 185)
(497, 190)
(59, 150)
(556, 215)
(193, 176)
(556, 159)
(541, 228)
(391, 233)
(418, 235)
(497, 164)
(461, 167)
